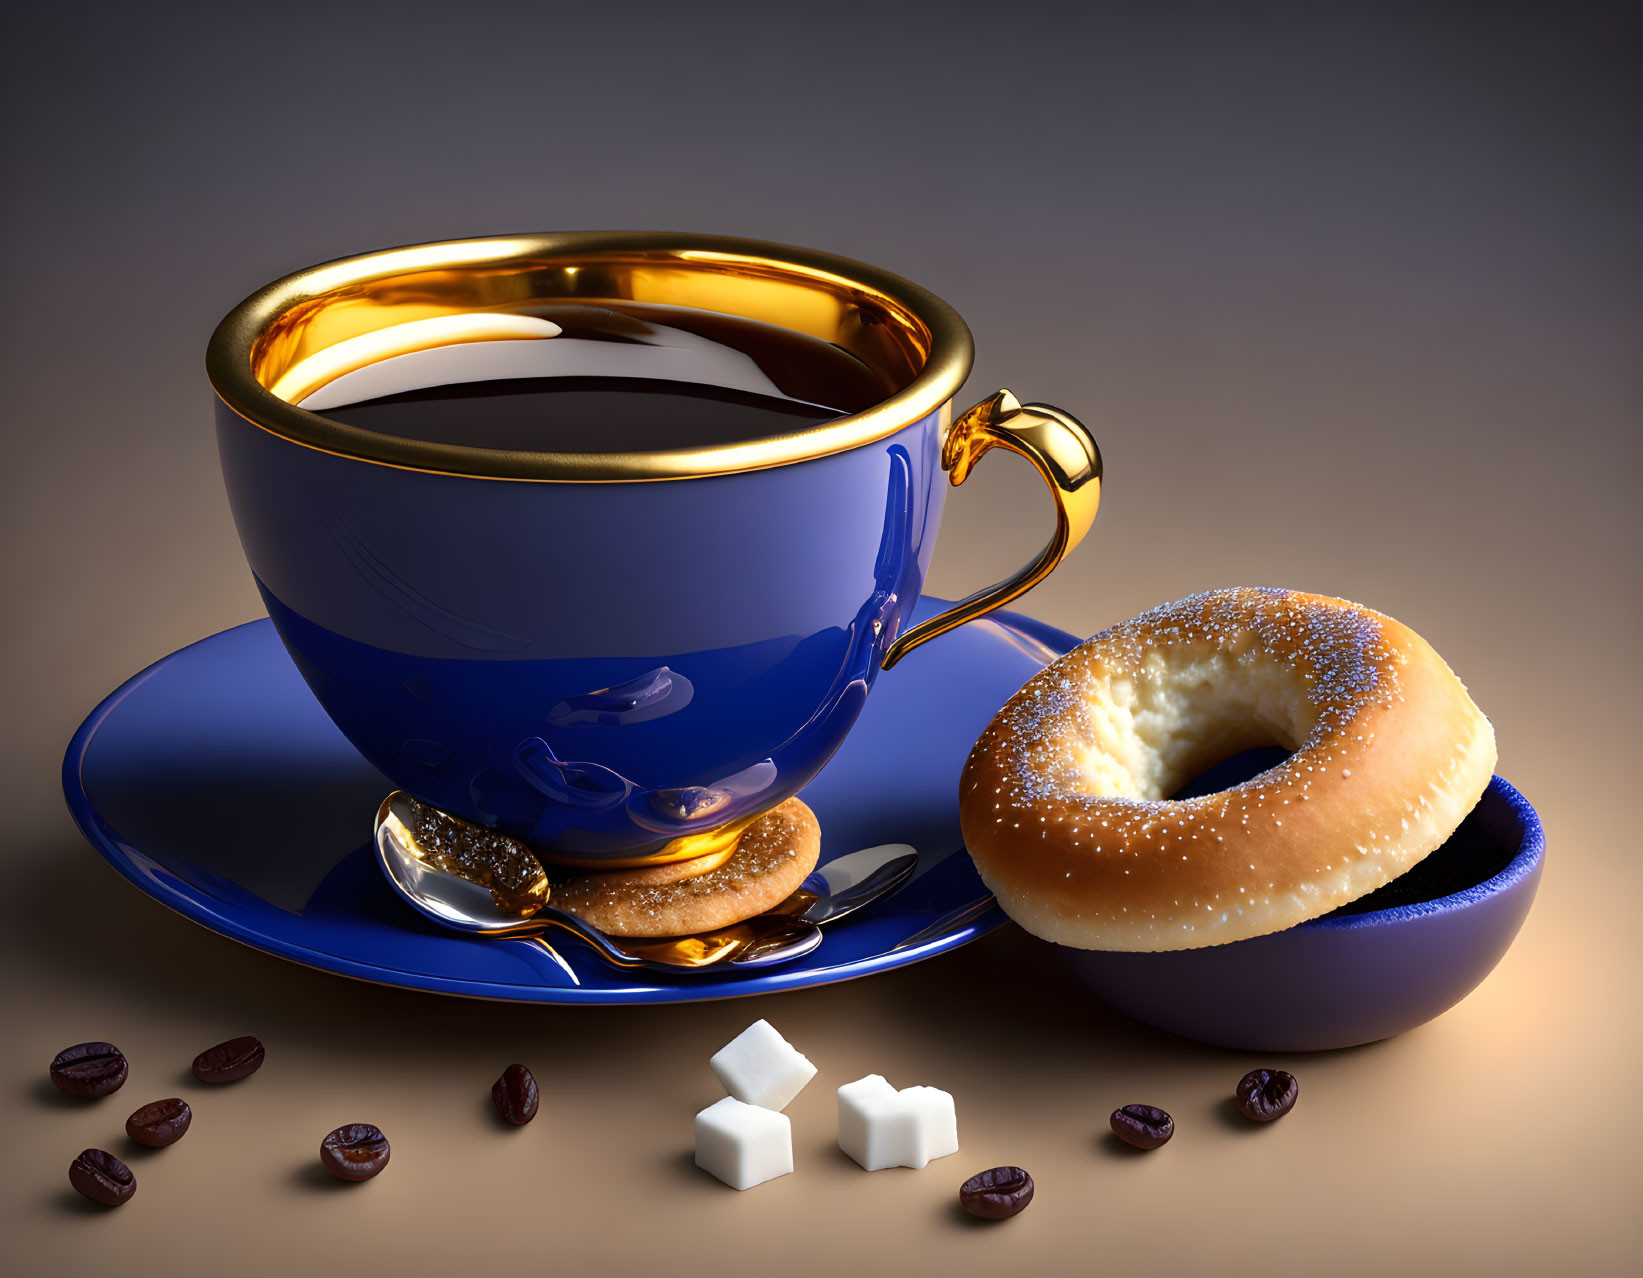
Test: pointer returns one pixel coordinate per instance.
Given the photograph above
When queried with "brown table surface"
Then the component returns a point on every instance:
(1351, 296)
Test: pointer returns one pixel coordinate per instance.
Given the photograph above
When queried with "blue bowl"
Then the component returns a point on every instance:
(1372, 969)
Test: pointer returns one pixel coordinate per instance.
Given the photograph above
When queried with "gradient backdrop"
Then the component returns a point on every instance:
(1352, 295)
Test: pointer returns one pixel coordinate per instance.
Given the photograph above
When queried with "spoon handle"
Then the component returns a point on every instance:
(550, 920)
(762, 941)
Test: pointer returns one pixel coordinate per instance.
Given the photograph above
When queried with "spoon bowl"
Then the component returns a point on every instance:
(847, 883)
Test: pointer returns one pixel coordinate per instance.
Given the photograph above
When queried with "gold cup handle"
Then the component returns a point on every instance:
(1065, 453)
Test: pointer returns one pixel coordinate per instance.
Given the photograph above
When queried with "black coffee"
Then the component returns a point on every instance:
(635, 377)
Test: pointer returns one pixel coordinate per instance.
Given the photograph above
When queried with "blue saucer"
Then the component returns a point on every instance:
(215, 783)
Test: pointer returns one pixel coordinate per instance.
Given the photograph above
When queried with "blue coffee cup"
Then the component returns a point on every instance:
(622, 658)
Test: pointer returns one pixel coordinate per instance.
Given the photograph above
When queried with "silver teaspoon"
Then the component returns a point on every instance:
(463, 905)
(847, 883)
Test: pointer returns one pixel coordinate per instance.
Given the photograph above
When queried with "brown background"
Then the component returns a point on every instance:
(1352, 296)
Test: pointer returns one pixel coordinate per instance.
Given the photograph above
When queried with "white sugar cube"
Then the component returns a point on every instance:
(934, 1122)
(880, 1127)
(743, 1145)
(868, 1111)
(761, 1067)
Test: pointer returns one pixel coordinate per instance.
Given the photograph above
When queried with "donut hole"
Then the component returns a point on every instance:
(1233, 770)
(1150, 735)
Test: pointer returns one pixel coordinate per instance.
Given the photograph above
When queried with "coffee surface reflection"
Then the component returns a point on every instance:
(641, 379)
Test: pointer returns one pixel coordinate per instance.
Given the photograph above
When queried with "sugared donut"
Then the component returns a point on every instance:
(1065, 799)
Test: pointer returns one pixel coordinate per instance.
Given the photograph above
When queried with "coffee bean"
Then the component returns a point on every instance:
(515, 1095)
(229, 1062)
(101, 1177)
(1144, 1126)
(357, 1151)
(1266, 1094)
(89, 1069)
(160, 1123)
(997, 1193)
